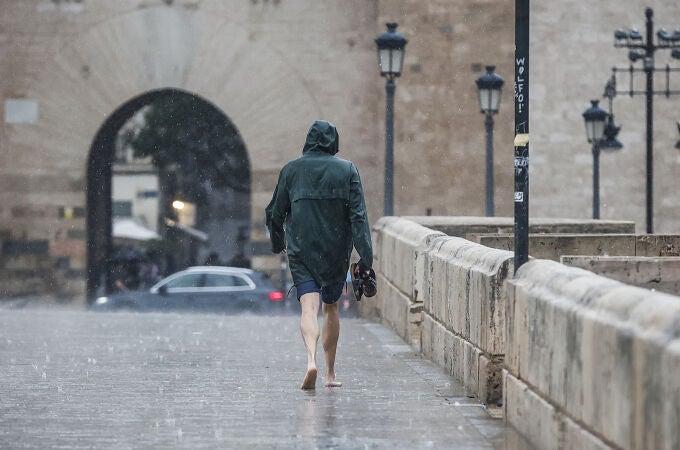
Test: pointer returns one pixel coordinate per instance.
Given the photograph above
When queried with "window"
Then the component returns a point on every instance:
(190, 280)
(122, 209)
(224, 280)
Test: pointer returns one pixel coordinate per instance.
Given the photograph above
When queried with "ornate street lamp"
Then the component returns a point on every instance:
(642, 47)
(595, 118)
(391, 45)
(489, 87)
(611, 130)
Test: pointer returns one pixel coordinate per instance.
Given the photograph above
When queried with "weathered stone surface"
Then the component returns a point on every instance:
(657, 245)
(553, 246)
(468, 290)
(460, 226)
(575, 437)
(594, 349)
(658, 273)
(397, 251)
(394, 309)
(74, 379)
(671, 410)
(532, 416)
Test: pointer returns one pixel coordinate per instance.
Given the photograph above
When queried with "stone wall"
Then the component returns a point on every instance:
(654, 273)
(590, 362)
(555, 245)
(581, 361)
(445, 296)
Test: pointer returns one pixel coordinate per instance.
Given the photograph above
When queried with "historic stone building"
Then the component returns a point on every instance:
(73, 71)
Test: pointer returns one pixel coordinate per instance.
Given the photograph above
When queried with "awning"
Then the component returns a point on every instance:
(131, 229)
(191, 231)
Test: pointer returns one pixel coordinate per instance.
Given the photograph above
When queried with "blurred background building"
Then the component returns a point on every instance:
(74, 73)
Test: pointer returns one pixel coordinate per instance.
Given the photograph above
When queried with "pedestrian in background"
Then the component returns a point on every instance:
(316, 215)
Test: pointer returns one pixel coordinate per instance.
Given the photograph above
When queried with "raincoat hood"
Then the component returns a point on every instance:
(322, 136)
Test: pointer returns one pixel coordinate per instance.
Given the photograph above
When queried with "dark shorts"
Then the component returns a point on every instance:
(329, 294)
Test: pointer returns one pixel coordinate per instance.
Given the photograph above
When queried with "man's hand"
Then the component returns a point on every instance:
(365, 276)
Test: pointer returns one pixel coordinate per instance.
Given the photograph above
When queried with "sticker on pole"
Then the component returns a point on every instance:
(519, 197)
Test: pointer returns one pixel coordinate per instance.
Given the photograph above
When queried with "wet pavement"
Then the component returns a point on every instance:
(77, 379)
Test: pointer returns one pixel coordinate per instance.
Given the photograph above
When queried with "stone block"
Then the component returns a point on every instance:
(470, 369)
(607, 379)
(658, 273)
(487, 298)
(671, 410)
(400, 243)
(529, 414)
(657, 245)
(490, 379)
(553, 246)
(443, 347)
(422, 283)
(395, 308)
(468, 292)
(426, 338)
(516, 328)
(575, 437)
(602, 349)
(461, 226)
(541, 344)
(436, 302)
(414, 325)
(656, 318)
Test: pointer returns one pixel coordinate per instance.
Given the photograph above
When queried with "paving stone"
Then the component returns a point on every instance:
(124, 380)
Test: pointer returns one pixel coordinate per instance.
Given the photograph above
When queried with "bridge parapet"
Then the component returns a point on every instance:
(590, 361)
(581, 361)
(445, 295)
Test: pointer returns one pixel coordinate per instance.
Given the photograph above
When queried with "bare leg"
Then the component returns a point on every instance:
(309, 326)
(331, 332)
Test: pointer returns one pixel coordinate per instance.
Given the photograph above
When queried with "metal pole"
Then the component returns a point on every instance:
(389, 147)
(596, 180)
(489, 165)
(649, 92)
(521, 143)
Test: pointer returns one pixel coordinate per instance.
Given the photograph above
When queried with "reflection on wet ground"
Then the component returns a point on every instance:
(80, 379)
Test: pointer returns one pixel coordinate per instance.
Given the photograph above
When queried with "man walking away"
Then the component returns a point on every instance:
(316, 215)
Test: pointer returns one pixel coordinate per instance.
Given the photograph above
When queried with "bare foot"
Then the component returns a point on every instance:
(332, 382)
(310, 379)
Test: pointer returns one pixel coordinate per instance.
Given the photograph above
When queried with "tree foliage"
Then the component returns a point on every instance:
(187, 136)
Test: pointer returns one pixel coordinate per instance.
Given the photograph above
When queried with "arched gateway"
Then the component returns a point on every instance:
(121, 59)
(224, 213)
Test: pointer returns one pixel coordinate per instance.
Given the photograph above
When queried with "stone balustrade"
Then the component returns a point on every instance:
(580, 360)
(590, 362)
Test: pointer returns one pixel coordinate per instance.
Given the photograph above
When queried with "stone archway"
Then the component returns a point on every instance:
(99, 198)
(95, 76)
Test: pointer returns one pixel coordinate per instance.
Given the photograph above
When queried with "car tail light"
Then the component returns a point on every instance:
(276, 296)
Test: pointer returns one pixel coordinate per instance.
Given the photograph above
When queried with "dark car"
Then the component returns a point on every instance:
(205, 288)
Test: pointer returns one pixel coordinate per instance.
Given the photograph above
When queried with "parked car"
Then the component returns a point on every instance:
(205, 288)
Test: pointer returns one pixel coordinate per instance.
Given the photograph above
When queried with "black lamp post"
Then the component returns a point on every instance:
(489, 87)
(642, 47)
(391, 45)
(595, 118)
(611, 130)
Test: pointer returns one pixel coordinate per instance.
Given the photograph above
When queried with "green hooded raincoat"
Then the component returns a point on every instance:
(318, 211)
